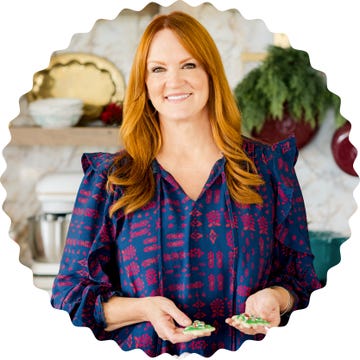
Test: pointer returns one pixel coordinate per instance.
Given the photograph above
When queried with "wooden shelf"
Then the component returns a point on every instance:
(75, 136)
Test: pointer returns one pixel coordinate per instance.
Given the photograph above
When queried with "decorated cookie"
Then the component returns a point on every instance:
(248, 321)
(198, 326)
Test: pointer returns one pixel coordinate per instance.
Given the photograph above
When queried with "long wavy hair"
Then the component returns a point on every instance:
(140, 130)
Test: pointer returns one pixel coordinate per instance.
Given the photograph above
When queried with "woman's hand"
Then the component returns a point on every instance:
(164, 316)
(267, 304)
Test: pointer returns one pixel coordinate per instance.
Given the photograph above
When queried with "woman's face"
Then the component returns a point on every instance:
(177, 84)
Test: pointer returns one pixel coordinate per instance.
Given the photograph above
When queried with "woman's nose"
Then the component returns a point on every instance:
(174, 77)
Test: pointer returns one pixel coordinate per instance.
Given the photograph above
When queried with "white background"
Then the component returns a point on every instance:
(31, 31)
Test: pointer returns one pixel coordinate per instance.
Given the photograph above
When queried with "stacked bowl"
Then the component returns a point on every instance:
(56, 112)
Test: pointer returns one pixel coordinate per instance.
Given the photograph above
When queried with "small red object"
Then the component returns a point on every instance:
(112, 114)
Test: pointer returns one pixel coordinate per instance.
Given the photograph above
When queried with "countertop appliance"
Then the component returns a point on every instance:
(48, 229)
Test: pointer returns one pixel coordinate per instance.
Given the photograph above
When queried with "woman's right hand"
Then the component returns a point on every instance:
(164, 316)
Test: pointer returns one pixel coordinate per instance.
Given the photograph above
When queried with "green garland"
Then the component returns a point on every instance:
(285, 77)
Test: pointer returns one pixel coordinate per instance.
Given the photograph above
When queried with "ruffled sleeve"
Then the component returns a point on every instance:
(292, 259)
(88, 272)
(290, 220)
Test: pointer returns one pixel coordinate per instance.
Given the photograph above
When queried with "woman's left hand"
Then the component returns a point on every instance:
(265, 304)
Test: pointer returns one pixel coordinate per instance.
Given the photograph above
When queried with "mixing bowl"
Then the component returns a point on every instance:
(47, 236)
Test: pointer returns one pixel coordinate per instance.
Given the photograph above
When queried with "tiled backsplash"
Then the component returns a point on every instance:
(326, 189)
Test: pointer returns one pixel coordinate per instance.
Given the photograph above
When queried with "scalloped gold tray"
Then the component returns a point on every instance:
(92, 78)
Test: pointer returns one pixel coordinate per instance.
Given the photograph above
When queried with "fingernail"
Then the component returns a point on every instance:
(187, 322)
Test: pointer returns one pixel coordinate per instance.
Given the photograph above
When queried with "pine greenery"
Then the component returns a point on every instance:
(285, 77)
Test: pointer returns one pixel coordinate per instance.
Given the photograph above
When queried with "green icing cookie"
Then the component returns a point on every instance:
(250, 320)
(198, 325)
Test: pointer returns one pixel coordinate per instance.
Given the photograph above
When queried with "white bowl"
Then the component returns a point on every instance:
(56, 112)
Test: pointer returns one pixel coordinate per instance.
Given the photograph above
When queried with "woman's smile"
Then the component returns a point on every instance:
(177, 97)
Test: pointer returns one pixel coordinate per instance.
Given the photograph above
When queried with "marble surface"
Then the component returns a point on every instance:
(327, 190)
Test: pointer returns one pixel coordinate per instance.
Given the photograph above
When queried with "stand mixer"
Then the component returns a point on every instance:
(48, 229)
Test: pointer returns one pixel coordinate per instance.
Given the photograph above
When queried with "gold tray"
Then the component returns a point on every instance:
(92, 78)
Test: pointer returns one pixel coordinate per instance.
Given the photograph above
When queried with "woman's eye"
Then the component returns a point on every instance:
(189, 66)
(157, 69)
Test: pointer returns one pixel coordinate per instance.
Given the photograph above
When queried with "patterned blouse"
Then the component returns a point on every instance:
(206, 255)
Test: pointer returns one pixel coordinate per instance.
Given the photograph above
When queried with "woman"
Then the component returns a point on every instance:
(190, 221)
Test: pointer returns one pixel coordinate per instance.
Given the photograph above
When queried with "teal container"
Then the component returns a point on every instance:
(325, 246)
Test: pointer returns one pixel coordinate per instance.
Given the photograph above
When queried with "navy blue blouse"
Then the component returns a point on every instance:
(206, 255)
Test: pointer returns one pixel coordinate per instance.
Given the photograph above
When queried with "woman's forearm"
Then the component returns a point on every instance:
(122, 311)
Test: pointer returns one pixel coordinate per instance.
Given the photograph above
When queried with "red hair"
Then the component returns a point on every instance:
(140, 130)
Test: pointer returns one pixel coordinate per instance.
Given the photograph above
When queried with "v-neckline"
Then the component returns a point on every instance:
(215, 171)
